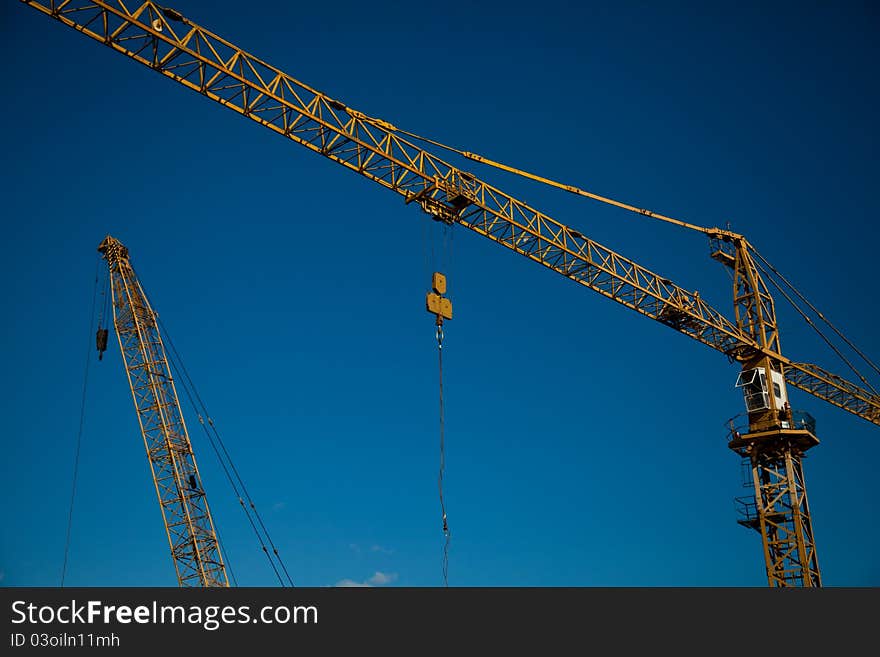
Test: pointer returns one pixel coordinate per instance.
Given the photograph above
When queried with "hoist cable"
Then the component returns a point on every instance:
(225, 554)
(426, 237)
(809, 321)
(226, 562)
(228, 459)
(223, 464)
(175, 362)
(82, 414)
(251, 502)
(189, 396)
(446, 532)
(105, 304)
(446, 238)
(816, 310)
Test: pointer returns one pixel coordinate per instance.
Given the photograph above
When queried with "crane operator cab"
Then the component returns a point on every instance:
(757, 393)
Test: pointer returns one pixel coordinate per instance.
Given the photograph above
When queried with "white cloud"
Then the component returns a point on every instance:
(350, 583)
(381, 550)
(378, 579)
(278, 506)
(354, 547)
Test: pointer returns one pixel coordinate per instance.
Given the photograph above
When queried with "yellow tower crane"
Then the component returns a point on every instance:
(188, 524)
(774, 442)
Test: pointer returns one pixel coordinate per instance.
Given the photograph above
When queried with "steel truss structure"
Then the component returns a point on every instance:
(188, 524)
(779, 510)
(169, 43)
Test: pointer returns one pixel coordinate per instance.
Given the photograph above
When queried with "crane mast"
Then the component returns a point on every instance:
(774, 444)
(775, 441)
(188, 523)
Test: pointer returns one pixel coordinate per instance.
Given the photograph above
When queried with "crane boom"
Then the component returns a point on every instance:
(167, 42)
(188, 524)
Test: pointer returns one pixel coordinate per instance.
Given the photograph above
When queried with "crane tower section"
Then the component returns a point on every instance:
(776, 440)
(188, 523)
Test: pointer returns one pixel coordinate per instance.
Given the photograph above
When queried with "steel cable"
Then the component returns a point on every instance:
(231, 471)
(82, 413)
(446, 532)
(818, 313)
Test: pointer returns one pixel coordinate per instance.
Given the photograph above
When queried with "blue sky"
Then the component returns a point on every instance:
(585, 444)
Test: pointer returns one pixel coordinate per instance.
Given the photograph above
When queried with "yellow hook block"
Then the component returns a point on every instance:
(445, 308)
(438, 305)
(435, 302)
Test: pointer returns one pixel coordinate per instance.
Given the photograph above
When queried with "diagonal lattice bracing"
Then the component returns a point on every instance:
(189, 526)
